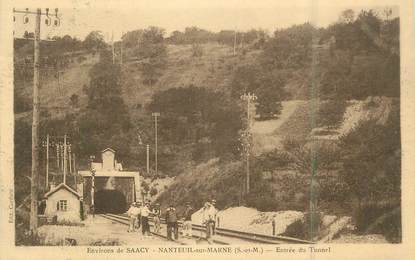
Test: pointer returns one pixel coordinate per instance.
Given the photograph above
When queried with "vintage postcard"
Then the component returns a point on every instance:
(198, 129)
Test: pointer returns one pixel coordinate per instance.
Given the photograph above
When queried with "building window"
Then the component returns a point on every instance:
(63, 205)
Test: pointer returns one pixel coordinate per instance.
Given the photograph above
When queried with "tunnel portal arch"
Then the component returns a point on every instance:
(110, 201)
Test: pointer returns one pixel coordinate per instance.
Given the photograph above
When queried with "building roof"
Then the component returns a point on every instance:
(107, 149)
(62, 186)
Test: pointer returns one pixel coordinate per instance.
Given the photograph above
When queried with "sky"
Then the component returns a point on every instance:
(79, 17)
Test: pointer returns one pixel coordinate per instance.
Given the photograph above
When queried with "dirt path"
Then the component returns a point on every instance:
(264, 132)
(97, 230)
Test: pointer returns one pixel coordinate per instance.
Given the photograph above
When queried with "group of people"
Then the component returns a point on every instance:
(139, 216)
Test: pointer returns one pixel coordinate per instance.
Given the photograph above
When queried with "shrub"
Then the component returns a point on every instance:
(197, 50)
(153, 191)
(378, 218)
(296, 229)
(330, 113)
(108, 242)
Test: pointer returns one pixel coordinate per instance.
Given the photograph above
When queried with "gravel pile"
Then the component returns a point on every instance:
(351, 238)
(252, 220)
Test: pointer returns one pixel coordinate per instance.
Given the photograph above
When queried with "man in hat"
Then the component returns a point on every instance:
(132, 213)
(214, 213)
(138, 220)
(145, 212)
(207, 220)
(187, 218)
(157, 215)
(171, 220)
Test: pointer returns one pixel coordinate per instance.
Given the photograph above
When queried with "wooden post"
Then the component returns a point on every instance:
(75, 173)
(273, 227)
(47, 161)
(156, 114)
(122, 34)
(112, 47)
(64, 159)
(247, 152)
(35, 130)
(70, 159)
(248, 98)
(148, 159)
(61, 158)
(91, 160)
(234, 44)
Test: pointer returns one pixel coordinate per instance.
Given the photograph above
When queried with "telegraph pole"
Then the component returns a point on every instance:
(35, 121)
(64, 159)
(248, 98)
(46, 144)
(75, 173)
(69, 159)
(57, 156)
(47, 161)
(155, 114)
(35, 130)
(112, 47)
(91, 160)
(234, 43)
(122, 34)
(148, 159)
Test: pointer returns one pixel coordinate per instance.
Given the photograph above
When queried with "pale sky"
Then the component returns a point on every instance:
(79, 17)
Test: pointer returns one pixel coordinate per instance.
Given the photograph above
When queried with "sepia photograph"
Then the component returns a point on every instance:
(207, 124)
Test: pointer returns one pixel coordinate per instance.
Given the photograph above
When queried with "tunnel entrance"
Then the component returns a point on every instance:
(110, 201)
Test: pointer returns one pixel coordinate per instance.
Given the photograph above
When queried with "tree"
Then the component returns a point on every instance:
(347, 16)
(270, 94)
(245, 79)
(197, 117)
(94, 41)
(197, 50)
(132, 39)
(371, 159)
(308, 158)
(106, 122)
(176, 37)
(267, 85)
(74, 99)
(371, 166)
(289, 48)
(153, 53)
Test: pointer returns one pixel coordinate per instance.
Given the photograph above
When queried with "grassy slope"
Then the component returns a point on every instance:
(55, 93)
(214, 69)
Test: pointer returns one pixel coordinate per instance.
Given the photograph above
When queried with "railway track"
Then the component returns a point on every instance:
(223, 235)
(125, 221)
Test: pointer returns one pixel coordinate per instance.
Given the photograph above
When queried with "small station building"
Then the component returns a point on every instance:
(64, 203)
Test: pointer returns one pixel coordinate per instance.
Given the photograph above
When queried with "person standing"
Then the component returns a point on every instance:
(145, 227)
(138, 220)
(187, 224)
(132, 214)
(207, 220)
(214, 213)
(171, 220)
(157, 215)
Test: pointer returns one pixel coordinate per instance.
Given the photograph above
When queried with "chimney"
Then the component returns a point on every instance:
(52, 185)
